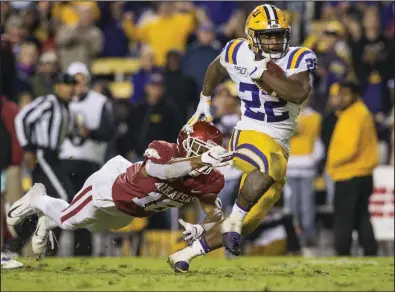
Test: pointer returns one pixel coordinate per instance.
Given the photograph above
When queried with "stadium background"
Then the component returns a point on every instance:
(127, 52)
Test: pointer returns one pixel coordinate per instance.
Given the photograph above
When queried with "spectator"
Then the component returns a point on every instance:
(83, 153)
(370, 56)
(5, 12)
(350, 163)
(234, 28)
(333, 55)
(116, 43)
(43, 80)
(218, 11)
(67, 12)
(201, 53)
(27, 60)
(14, 32)
(154, 119)
(180, 89)
(306, 150)
(81, 43)
(168, 30)
(140, 78)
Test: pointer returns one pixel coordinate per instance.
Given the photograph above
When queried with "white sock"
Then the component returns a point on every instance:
(238, 213)
(51, 208)
(193, 251)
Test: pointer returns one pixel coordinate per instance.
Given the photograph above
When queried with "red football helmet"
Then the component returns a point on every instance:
(197, 139)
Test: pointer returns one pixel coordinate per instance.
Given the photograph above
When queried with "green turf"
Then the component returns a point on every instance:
(207, 273)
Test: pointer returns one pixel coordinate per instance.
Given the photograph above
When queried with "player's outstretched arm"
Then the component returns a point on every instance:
(214, 75)
(180, 167)
(294, 89)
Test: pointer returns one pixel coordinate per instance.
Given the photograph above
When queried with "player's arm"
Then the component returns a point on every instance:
(172, 169)
(212, 206)
(213, 212)
(214, 75)
(294, 89)
(180, 167)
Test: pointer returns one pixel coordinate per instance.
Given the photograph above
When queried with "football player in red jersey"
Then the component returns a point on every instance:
(170, 175)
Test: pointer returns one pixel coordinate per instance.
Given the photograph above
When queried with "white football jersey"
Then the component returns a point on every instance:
(260, 111)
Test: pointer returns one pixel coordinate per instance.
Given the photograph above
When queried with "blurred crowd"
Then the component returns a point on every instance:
(174, 42)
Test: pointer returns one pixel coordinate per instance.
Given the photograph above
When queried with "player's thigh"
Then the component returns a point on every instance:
(255, 150)
(258, 212)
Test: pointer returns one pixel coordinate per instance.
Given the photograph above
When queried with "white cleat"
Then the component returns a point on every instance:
(179, 261)
(8, 262)
(22, 208)
(42, 236)
(231, 235)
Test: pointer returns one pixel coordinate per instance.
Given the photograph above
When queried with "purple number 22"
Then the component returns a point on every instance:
(268, 105)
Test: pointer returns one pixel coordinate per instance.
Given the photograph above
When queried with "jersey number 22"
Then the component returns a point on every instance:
(269, 106)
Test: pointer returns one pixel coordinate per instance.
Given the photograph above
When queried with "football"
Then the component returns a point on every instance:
(276, 70)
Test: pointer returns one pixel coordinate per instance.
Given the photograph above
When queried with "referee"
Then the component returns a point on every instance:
(41, 127)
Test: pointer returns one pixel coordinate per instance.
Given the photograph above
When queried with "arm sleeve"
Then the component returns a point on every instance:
(107, 127)
(301, 60)
(168, 171)
(25, 120)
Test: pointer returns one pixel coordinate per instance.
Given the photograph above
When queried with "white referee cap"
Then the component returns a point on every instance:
(78, 68)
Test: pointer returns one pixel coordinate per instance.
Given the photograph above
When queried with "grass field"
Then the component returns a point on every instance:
(208, 273)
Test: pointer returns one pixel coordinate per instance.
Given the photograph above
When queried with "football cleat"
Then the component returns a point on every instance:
(42, 236)
(231, 238)
(178, 263)
(22, 208)
(8, 262)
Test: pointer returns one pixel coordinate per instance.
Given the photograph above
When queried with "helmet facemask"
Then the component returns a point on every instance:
(195, 147)
(265, 49)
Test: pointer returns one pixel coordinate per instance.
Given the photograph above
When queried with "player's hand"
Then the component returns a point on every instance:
(217, 156)
(192, 231)
(260, 67)
(202, 109)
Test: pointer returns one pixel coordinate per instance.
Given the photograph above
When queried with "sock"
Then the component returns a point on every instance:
(51, 208)
(198, 248)
(238, 213)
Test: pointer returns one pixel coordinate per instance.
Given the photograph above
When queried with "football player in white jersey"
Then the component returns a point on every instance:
(270, 105)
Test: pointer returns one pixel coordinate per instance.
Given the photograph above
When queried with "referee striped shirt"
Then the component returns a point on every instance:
(43, 124)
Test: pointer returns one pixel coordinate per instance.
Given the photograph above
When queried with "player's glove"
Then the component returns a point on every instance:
(202, 109)
(192, 231)
(217, 156)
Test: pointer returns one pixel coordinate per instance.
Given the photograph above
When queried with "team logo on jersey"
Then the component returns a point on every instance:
(151, 153)
(241, 70)
(172, 194)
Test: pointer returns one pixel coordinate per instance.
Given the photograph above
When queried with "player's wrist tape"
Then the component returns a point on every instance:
(168, 171)
(205, 97)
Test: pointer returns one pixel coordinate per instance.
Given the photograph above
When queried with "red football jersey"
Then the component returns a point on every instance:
(141, 196)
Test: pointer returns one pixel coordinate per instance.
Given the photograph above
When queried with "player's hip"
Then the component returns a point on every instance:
(255, 150)
(281, 132)
(101, 182)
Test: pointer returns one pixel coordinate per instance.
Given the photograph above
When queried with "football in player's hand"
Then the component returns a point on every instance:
(274, 69)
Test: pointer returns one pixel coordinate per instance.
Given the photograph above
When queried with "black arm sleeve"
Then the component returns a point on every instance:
(106, 129)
